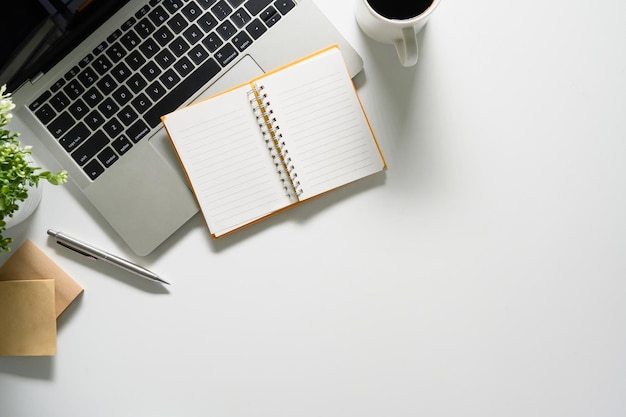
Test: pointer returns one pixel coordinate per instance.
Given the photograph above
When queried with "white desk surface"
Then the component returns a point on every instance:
(484, 274)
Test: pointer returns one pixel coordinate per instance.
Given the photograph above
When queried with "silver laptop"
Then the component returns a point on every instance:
(92, 78)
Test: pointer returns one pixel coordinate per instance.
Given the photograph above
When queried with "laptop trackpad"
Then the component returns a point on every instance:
(242, 72)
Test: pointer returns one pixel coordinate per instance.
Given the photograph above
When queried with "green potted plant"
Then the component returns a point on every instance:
(18, 173)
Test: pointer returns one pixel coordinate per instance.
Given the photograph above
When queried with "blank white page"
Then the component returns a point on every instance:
(322, 122)
(226, 160)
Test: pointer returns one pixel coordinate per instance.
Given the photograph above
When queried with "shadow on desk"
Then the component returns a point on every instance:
(32, 367)
(395, 86)
(300, 214)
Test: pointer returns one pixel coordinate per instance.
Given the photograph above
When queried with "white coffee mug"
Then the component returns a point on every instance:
(399, 28)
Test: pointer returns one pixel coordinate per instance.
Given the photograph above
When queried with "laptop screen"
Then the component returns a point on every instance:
(39, 33)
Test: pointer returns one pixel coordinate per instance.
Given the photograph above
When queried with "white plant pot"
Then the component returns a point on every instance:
(26, 207)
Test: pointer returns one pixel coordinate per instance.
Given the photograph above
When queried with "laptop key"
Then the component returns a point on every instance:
(144, 28)
(183, 66)
(207, 22)
(235, 3)
(85, 61)
(173, 6)
(165, 59)
(142, 12)
(116, 52)
(198, 54)
(92, 97)
(102, 64)
(205, 4)
(284, 6)
(73, 89)
(45, 113)
(156, 91)
(73, 72)
(40, 100)
(130, 40)
(226, 30)
(177, 23)
(122, 95)
(121, 72)
(163, 36)
(256, 28)
(135, 60)
(212, 42)
(93, 169)
(192, 12)
(78, 109)
(61, 125)
(108, 107)
(256, 6)
(137, 83)
(226, 55)
(193, 34)
(190, 85)
(150, 71)
(149, 48)
(158, 16)
(113, 128)
(94, 120)
(127, 116)
(75, 137)
(270, 16)
(121, 145)
(241, 17)
(108, 157)
(221, 10)
(60, 101)
(57, 85)
(129, 23)
(88, 77)
(141, 103)
(90, 148)
(242, 41)
(114, 36)
(179, 46)
(138, 131)
(170, 78)
(100, 48)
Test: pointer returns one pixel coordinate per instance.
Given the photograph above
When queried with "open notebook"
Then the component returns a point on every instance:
(284, 137)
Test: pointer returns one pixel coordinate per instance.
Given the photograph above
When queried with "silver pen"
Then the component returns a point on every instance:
(95, 253)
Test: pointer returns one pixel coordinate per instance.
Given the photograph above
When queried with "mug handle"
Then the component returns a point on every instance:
(407, 47)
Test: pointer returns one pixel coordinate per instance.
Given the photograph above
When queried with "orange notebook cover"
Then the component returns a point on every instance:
(284, 137)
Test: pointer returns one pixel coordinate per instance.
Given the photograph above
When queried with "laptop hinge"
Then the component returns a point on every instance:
(36, 78)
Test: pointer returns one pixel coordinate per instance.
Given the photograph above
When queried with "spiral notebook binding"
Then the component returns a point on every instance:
(270, 130)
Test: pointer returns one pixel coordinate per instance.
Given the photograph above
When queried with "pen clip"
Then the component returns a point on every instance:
(77, 250)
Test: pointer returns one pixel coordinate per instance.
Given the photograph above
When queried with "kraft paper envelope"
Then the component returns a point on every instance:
(30, 263)
(27, 318)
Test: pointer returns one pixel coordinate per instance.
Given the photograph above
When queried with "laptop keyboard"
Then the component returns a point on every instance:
(160, 57)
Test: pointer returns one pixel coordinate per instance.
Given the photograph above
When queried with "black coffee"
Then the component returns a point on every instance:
(400, 9)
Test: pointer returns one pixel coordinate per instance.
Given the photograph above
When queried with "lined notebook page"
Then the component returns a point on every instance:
(226, 160)
(322, 123)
